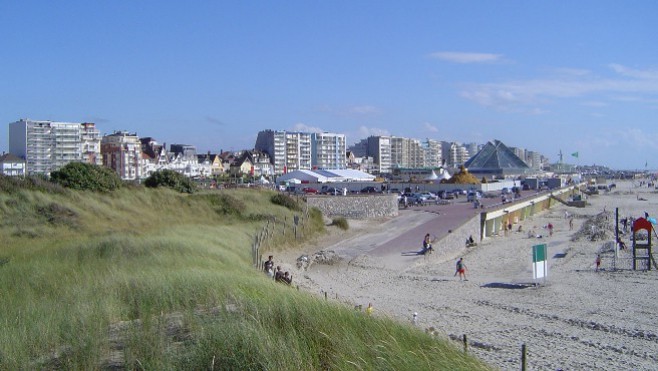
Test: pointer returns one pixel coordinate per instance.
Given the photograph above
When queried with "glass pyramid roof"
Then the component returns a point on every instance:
(495, 155)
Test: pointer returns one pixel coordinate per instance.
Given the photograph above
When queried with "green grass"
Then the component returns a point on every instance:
(153, 279)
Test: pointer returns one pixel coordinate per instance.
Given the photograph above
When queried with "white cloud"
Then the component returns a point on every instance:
(521, 95)
(365, 131)
(461, 57)
(630, 72)
(306, 128)
(431, 128)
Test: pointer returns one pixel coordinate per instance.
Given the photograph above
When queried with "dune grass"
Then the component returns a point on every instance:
(152, 279)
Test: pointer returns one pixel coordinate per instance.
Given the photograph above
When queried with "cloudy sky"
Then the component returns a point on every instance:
(578, 76)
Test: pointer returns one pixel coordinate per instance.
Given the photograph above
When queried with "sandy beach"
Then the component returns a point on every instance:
(577, 319)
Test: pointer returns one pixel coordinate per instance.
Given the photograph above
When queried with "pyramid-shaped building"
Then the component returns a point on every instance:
(495, 159)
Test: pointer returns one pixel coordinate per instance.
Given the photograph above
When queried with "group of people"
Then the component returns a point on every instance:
(278, 275)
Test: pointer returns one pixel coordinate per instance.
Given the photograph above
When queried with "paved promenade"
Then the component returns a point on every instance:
(437, 220)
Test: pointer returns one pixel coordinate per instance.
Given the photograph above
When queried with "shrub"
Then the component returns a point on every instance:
(170, 179)
(286, 201)
(341, 223)
(81, 176)
(224, 204)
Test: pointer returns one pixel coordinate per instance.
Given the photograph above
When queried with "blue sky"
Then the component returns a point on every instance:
(548, 76)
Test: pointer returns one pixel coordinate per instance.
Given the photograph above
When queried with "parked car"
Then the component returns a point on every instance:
(472, 196)
(331, 191)
(429, 196)
(369, 189)
(505, 191)
(309, 190)
(446, 195)
(294, 190)
(417, 198)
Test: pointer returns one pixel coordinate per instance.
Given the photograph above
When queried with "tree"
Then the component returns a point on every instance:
(82, 176)
(170, 179)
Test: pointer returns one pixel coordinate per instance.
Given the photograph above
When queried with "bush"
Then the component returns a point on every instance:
(170, 179)
(81, 176)
(341, 223)
(224, 204)
(286, 201)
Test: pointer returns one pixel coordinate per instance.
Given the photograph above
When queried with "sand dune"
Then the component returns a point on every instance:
(577, 319)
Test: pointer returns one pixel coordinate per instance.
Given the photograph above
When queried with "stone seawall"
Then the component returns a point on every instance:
(356, 206)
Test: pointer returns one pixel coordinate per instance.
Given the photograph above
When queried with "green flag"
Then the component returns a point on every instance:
(575, 154)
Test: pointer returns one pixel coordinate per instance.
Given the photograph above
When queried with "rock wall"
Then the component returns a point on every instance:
(356, 206)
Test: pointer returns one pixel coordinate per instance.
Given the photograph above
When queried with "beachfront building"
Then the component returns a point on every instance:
(496, 160)
(534, 159)
(11, 165)
(47, 146)
(122, 152)
(288, 151)
(252, 163)
(379, 148)
(328, 151)
(407, 152)
(433, 154)
(213, 161)
(454, 154)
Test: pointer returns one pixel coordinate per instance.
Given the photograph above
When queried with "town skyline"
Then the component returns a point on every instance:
(552, 78)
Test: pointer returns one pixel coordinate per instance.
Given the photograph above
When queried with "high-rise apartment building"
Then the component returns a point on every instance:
(328, 151)
(454, 154)
(433, 153)
(379, 148)
(122, 152)
(407, 153)
(288, 151)
(47, 146)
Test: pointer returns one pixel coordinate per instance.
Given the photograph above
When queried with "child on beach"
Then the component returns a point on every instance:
(460, 268)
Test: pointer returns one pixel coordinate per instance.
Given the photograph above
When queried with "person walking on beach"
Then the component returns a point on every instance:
(460, 269)
(550, 229)
(597, 261)
(571, 223)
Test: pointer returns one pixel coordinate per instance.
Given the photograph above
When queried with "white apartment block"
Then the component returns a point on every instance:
(433, 153)
(455, 154)
(122, 152)
(47, 146)
(288, 151)
(328, 151)
(407, 153)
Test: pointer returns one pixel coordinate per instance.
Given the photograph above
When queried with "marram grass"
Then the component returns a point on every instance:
(156, 280)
